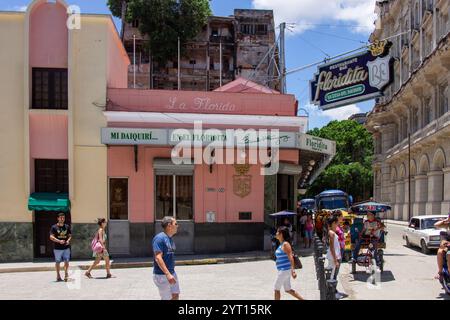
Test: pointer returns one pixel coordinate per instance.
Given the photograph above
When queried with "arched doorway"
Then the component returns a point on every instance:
(436, 183)
(392, 193)
(421, 186)
(401, 192)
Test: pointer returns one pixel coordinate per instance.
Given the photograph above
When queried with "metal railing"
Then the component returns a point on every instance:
(327, 286)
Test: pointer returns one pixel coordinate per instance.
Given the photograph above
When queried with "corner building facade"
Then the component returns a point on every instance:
(411, 123)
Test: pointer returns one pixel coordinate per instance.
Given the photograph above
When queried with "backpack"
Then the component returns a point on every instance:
(96, 246)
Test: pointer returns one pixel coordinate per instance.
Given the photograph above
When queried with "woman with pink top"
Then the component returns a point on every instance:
(340, 233)
(309, 227)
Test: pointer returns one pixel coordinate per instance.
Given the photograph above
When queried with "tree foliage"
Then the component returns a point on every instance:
(163, 21)
(351, 168)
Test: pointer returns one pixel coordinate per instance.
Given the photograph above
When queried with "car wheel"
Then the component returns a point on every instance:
(424, 247)
(408, 244)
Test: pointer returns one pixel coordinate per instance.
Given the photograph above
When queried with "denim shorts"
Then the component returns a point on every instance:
(62, 255)
(309, 234)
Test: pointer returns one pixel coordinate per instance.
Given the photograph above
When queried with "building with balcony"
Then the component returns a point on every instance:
(411, 122)
(225, 49)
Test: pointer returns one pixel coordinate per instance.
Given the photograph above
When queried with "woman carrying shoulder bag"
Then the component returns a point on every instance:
(285, 265)
(99, 249)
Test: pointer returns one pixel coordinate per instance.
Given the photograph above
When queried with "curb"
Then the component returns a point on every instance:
(132, 265)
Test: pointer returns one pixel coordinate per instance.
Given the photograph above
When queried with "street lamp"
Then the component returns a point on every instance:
(307, 115)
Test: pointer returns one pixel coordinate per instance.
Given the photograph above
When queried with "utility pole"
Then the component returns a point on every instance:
(124, 12)
(179, 62)
(221, 67)
(134, 61)
(283, 58)
(409, 166)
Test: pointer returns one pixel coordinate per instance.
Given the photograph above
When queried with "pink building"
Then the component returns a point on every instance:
(221, 206)
(80, 142)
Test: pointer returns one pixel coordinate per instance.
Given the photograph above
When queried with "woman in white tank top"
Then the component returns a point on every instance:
(334, 250)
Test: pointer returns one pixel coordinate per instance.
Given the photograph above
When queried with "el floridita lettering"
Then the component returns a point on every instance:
(327, 81)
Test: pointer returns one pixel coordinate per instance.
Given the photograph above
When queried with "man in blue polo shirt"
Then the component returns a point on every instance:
(164, 275)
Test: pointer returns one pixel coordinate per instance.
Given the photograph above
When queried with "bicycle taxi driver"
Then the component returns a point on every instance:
(372, 232)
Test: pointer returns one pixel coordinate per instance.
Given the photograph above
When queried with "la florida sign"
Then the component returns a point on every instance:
(353, 79)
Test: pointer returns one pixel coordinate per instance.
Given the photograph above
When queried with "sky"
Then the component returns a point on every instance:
(316, 29)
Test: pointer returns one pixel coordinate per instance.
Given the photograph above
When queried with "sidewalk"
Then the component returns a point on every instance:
(145, 262)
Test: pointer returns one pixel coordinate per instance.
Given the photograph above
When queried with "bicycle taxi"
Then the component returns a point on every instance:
(368, 248)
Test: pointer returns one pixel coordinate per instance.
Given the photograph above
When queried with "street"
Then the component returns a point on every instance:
(240, 281)
(408, 275)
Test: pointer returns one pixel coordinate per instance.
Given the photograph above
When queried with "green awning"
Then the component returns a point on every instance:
(49, 202)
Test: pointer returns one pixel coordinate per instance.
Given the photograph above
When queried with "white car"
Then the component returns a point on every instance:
(422, 233)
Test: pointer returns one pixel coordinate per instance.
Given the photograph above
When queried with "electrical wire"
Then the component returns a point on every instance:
(336, 36)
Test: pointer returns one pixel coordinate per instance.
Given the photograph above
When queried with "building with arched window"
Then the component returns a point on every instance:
(411, 122)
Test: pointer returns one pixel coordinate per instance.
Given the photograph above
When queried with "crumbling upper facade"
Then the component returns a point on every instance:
(236, 46)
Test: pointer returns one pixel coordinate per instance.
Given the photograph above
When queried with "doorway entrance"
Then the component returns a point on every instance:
(174, 196)
(43, 221)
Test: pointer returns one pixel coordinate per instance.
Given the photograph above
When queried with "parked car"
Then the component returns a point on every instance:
(422, 233)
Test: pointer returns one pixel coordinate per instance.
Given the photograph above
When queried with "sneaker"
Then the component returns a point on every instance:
(339, 295)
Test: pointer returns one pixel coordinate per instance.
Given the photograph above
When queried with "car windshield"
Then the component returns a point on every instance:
(308, 205)
(429, 223)
(332, 203)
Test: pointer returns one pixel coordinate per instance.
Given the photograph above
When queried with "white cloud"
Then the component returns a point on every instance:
(20, 8)
(307, 13)
(342, 113)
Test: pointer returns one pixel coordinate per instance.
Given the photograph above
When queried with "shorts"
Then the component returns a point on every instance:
(335, 269)
(283, 280)
(62, 255)
(101, 255)
(309, 234)
(166, 290)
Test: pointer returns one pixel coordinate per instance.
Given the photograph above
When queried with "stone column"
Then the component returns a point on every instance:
(413, 194)
(386, 185)
(390, 198)
(446, 203)
(398, 207)
(421, 197)
(434, 192)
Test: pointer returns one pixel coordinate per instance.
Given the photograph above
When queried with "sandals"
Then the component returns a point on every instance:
(59, 279)
(108, 276)
(87, 274)
(66, 278)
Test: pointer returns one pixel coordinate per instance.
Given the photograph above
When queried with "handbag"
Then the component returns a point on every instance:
(96, 246)
(297, 262)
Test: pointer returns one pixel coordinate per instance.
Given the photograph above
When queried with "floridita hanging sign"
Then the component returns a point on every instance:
(353, 79)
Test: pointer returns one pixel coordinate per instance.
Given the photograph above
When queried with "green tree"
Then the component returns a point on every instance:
(164, 21)
(351, 168)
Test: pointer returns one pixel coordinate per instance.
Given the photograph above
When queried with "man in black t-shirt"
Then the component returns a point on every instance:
(61, 235)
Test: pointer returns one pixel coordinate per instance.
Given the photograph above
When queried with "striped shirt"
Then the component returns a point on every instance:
(282, 261)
